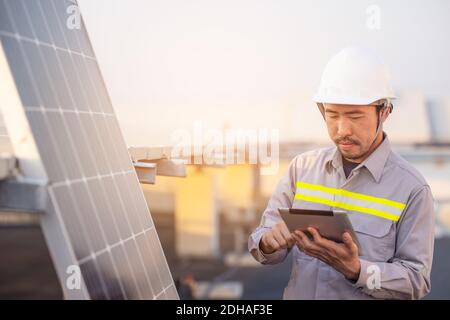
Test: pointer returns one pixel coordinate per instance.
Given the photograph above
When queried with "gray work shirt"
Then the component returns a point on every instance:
(391, 208)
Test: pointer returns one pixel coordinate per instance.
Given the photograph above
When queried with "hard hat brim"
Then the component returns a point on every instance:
(350, 100)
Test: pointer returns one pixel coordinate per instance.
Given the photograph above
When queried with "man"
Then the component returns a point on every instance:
(389, 203)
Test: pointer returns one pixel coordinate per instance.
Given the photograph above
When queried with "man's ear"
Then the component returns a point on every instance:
(385, 113)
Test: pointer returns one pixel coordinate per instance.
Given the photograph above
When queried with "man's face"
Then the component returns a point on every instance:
(352, 128)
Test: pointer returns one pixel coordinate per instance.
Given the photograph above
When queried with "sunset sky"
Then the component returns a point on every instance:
(254, 63)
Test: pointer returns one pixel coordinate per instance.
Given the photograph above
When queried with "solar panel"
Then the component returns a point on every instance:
(60, 119)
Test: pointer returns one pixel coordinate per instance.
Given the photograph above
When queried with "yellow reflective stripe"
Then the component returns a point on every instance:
(342, 205)
(350, 201)
(354, 195)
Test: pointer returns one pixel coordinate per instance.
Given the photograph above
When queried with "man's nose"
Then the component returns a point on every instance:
(344, 128)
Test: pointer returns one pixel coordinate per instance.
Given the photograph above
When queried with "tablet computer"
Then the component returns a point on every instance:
(331, 224)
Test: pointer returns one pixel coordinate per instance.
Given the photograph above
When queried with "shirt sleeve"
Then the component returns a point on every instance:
(407, 274)
(282, 197)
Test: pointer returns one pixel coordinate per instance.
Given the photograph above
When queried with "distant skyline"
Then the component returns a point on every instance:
(254, 63)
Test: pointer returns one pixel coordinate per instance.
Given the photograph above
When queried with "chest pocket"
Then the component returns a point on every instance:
(376, 236)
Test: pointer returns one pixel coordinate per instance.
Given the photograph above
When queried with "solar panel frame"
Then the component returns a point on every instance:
(65, 134)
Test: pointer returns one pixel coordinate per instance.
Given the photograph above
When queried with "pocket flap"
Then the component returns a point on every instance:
(369, 224)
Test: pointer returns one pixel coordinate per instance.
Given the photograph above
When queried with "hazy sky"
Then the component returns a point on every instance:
(252, 63)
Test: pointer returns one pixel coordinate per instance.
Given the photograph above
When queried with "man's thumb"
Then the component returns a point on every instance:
(348, 241)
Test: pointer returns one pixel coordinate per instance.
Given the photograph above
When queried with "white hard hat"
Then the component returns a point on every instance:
(357, 76)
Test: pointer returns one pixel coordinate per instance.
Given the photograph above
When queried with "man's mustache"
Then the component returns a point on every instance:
(346, 141)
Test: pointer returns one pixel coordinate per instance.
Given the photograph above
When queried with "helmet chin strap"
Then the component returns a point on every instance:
(380, 118)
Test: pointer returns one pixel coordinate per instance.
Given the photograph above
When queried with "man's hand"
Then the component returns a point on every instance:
(341, 256)
(278, 238)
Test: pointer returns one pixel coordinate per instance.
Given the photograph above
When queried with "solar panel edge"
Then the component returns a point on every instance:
(64, 260)
(25, 149)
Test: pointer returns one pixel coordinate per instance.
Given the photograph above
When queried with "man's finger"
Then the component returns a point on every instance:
(290, 240)
(287, 236)
(301, 244)
(347, 239)
(316, 235)
(305, 240)
(310, 250)
(272, 243)
(283, 228)
(299, 241)
(279, 238)
(349, 243)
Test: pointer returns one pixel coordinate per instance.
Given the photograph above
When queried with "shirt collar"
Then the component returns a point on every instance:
(374, 163)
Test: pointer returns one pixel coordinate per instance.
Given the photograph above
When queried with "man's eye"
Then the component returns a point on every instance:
(355, 118)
